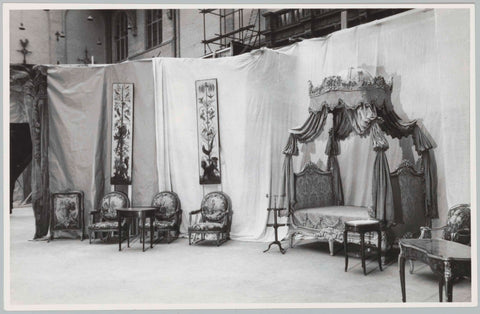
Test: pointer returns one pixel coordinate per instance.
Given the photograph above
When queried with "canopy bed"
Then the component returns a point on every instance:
(360, 105)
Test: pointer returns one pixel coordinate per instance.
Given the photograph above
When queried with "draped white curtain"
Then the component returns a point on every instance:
(253, 100)
(261, 95)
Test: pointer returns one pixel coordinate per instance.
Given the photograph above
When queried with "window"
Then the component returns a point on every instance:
(121, 36)
(153, 25)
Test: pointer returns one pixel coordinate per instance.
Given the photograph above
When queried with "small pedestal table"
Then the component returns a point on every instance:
(136, 212)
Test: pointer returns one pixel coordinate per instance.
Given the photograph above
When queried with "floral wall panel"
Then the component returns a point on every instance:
(67, 212)
(208, 135)
(122, 134)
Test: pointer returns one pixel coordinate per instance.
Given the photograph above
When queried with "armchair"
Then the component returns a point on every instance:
(169, 214)
(107, 213)
(457, 228)
(215, 218)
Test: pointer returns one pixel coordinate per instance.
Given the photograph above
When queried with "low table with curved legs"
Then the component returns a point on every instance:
(447, 259)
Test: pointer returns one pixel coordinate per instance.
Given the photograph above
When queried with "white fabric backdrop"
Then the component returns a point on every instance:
(427, 53)
(261, 96)
(253, 119)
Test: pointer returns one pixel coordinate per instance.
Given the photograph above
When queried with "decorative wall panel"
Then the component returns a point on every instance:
(122, 134)
(208, 135)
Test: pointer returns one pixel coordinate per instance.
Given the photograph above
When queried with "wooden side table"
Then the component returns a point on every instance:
(361, 227)
(136, 212)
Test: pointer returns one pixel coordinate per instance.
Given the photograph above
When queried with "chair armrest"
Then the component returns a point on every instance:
(190, 214)
(93, 214)
(195, 212)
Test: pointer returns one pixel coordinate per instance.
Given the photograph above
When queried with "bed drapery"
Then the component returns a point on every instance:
(360, 105)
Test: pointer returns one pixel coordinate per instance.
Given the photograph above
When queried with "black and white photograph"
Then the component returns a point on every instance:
(231, 156)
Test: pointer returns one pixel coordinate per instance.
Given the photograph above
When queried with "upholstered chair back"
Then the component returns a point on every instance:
(458, 224)
(111, 202)
(167, 203)
(216, 207)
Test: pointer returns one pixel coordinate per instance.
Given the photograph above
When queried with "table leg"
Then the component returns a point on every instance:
(362, 245)
(128, 220)
(440, 290)
(401, 269)
(119, 232)
(379, 248)
(143, 231)
(448, 281)
(345, 245)
(151, 231)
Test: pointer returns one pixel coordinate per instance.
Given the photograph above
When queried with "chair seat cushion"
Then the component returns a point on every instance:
(160, 224)
(104, 225)
(362, 222)
(207, 226)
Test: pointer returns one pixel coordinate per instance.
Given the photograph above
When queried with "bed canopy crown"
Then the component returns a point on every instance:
(350, 89)
(360, 104)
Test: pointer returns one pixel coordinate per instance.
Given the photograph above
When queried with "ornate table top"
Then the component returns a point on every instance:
(439, 248)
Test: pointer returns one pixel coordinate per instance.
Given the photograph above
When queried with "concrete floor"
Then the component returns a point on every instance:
(71, 272)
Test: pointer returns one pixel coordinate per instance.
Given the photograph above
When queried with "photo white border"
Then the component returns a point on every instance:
(8, 6)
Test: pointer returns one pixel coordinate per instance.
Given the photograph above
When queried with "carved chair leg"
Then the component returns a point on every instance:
(218, 238)
(292, 237)
(189, 238)
(89, 237)
(331, 247)
(412, 266)
(345, 246)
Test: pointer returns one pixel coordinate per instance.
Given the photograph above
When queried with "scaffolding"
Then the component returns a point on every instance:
(232, 33)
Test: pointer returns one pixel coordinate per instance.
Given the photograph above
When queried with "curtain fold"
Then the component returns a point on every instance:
(361, 118)
(286, 186)
(430, 174)
(382, 196)
(393, 124)
(309, 131)
(424, 148)
(333, 149)
(36, 88)
(332, 164)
